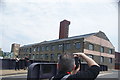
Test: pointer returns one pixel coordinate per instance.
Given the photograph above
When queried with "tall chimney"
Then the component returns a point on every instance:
(64, 29)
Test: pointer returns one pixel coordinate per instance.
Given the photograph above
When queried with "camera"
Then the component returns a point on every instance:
(77, 62)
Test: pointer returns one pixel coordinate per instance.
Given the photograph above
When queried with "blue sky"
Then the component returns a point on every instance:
(33, 21)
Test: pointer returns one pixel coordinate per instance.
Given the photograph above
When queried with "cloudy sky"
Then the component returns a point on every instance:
(33, 21)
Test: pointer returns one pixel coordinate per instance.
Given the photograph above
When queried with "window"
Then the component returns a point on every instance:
(67, 46)
(24, 50)
(30, 50)
(102, 49)
(27, 50)
(46, 56)
(52, 56)
(29, 55)
(91, 56)
(47, 48)
(34, 49)
(52, 47)
(33, 56)
(43, 48)
(38, 49)
(60, 47)
(77, 45)
(41, 56)
(102, 59)
(91, 47)
(58, 55)
(37, 56)
(110, 60)
(110, 51)
(19, 50)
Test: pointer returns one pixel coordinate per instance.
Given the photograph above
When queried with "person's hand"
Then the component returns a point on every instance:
(76, 70)
(75, 55)
(89, 60)
(78, 54)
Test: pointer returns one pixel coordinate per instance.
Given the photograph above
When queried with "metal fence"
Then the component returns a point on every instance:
(10, 64)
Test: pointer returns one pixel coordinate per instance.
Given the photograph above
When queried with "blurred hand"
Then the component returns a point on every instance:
(78, 54)
(76, 70)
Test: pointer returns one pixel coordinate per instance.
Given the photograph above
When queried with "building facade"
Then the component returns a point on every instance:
(117, 60)
(95, 45)
(1, 53)
(15, 49)
(8, 55)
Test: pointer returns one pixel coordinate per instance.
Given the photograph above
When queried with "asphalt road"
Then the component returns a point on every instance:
(15, 77)
(114, 75)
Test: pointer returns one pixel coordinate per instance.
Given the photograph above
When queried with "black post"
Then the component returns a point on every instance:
(63, 47)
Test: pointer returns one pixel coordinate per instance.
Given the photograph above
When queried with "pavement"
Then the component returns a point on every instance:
(12, 72)
(107, 72)
(7, 73)
(22, 71)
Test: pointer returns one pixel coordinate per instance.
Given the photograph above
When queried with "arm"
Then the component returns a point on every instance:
(90, 61)
(90, 74)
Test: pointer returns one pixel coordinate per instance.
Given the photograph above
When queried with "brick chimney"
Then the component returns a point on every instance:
(64, 29)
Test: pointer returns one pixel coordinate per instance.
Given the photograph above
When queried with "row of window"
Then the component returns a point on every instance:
(53, 57)
(42, 56)
(65, 46)
(101, 58)
(91, 47)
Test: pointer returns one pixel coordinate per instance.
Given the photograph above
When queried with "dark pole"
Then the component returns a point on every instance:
(63, 47)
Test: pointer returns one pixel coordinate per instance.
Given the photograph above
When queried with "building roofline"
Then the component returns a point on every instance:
(64, 39)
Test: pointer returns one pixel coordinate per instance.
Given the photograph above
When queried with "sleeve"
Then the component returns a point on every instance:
(90, 74)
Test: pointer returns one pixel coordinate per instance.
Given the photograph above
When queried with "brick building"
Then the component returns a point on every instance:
(15, 49)
(95, 45)
(117, 60)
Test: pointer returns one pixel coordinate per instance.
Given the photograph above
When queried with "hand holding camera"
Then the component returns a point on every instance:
(78, 54)
(77, 59)
(90, 61)
(77, 62)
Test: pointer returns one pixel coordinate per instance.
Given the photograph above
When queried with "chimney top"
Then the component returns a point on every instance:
(65, 21)
(64, 29)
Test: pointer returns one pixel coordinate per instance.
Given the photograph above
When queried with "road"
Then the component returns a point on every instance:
(114, 75)
(106, 76)
(15, 77)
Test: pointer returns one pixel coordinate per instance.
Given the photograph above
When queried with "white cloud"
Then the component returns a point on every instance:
(30, 21)
(17, 1)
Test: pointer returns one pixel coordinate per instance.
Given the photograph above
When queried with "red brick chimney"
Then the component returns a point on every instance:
(64, 29)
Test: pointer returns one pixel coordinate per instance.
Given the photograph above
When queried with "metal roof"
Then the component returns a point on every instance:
(64, 39)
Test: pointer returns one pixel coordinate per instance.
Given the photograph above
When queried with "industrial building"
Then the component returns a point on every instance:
(117, 60)
(1, 53)
(95, 45)
(15, 49)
